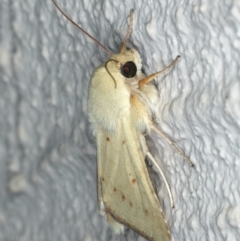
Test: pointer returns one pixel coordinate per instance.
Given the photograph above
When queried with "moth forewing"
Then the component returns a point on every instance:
(126, 189)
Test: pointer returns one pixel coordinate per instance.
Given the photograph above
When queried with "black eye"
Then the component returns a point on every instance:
(129, 69)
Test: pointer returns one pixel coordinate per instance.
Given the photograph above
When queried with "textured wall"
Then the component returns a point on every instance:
(47, 151)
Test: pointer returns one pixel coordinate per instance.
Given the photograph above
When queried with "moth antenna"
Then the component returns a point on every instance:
(152, 76)
(115, 83)
(85, 32)
(130, 27)
(163, 176)
(166, 138)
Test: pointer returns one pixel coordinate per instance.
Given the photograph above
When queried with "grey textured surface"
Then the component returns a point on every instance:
(47, 151)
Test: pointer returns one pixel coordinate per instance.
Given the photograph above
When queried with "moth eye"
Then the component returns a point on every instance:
(129, 69)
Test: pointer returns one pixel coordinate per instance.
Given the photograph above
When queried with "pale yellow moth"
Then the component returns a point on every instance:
(121, 105)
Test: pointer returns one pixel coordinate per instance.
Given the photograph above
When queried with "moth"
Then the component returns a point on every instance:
(121, 104)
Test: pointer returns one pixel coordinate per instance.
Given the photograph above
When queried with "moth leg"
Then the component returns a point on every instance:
(101, 207)
(163, 176)
(130, 27)
(147, 153)
(164, 136)
(116, 226)
(153, 76)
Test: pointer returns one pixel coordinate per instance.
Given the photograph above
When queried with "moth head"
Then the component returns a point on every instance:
(124, 65)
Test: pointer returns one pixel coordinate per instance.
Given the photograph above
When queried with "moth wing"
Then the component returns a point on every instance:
(125, 187)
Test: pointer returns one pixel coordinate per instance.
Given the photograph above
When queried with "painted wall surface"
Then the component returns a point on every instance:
(47, 150)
